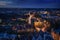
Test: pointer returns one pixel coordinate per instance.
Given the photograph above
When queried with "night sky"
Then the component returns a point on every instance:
(30, 3)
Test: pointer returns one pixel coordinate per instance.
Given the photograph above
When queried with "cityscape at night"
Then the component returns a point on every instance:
(29, 19)
(14, 22)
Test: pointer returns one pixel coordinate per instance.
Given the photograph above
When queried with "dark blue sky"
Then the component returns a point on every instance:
(30, 3)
